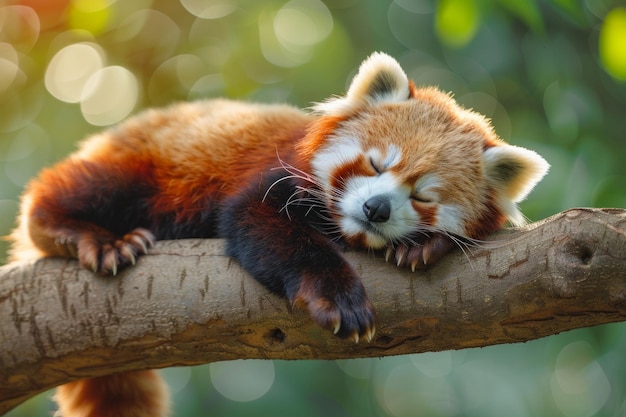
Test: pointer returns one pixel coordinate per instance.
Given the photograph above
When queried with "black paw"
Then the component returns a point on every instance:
(421, 254)
(346, 312)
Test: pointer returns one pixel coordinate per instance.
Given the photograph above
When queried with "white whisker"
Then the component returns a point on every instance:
(321, 204)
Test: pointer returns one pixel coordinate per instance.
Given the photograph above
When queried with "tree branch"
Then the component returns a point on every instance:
(187, 304)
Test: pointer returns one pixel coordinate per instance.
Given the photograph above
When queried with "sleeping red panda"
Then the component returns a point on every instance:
(387, 166)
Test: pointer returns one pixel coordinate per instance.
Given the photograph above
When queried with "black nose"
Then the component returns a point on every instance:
(377, 209)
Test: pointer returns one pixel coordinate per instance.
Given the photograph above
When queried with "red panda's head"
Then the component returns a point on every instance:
(394, 160)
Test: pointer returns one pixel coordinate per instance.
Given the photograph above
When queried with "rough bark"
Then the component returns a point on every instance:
(187, 304)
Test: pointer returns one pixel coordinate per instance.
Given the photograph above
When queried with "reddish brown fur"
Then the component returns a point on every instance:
(491, 220)
(427, 212)
(316, 136)
(359, 166)
(124, 160)
(178, 172)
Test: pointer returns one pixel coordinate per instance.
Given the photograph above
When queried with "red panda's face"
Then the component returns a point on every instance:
(388, 174)
(401, 161)
(368, 200)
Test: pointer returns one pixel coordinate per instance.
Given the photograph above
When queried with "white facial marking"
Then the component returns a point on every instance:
(425, 187)
(359, 190)
(343, 149)
(450, 218)
(383, 162)
(394, 155)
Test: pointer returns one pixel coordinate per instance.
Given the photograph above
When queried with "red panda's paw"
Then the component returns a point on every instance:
(348, 313)
(106, 255)
(420, 255)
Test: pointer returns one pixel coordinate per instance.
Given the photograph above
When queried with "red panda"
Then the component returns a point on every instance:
(387, 166)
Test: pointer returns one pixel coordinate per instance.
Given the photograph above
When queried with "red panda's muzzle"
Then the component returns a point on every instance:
(377, 209)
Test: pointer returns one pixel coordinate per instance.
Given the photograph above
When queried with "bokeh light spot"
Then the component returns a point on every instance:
(9, 65)
(242, 380)
(604, 195)
(207, 86)
(20, 108)
(456, 21)
(579, 385)
(23, 144)
(404, 391)
(19, 25)
(177, 378)
(175, 77)
(109, 96)
(50, 12)
(357, 368)
(302, 23)
(152, 36)
(211, 9)
(598, 8)
(26, 153)
(416, 6)
(90, 15)
(561, 113)
(433, 364)
(71, 67)
(613, 43)
(289, 35)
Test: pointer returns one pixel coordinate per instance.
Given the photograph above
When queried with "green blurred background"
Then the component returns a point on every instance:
(551, 74)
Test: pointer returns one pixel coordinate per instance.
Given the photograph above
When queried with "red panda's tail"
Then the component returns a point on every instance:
(129, 394)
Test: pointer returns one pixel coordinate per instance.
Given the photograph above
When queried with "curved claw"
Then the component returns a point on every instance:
(401, 253)
(107, 254)
(348, 314)
(421, 254)
(388, 253)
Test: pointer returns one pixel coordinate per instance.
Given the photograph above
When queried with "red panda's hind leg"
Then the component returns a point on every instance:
(96, 248)
(95, 211)
(106, 256)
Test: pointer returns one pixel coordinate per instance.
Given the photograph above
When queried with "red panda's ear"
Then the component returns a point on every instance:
(380, 80)
(513, 172)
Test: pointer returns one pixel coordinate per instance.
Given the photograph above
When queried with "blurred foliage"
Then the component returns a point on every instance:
(550, 73)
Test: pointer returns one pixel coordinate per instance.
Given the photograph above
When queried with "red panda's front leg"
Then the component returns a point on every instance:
(289, 256)
(424, 252)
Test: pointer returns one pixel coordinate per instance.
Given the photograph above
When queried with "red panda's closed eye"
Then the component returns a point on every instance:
(376, 166)
(422, 198)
